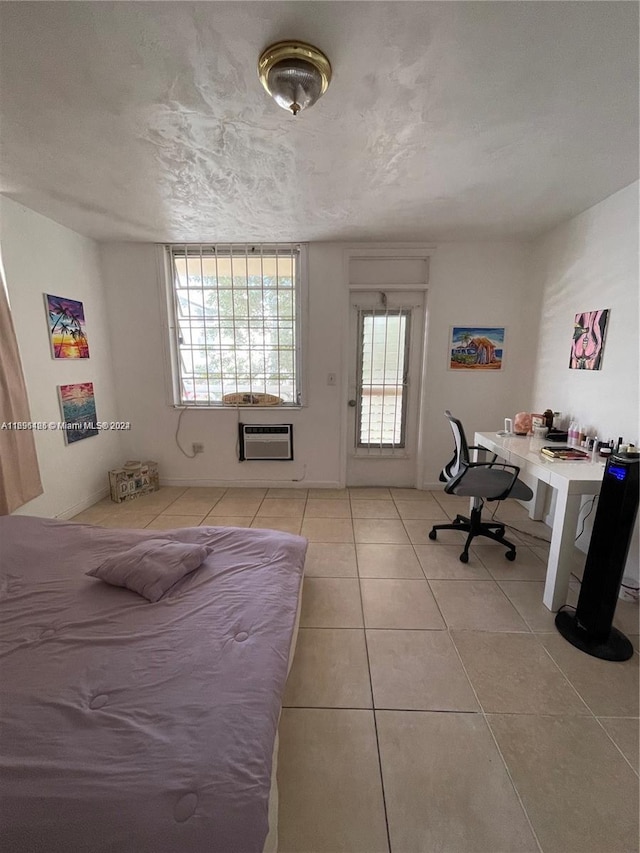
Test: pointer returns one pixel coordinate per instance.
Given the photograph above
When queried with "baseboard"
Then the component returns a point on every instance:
(190, 482)
(263, 484)
(84, 504)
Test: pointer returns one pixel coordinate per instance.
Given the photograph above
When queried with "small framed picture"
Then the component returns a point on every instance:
(476, 348)
(587, 346)
(78, 404)
(66, 327)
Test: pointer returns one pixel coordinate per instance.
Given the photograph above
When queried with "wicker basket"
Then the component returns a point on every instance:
(251, 400)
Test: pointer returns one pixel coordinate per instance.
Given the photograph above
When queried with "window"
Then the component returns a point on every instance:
(236, 313)
(382, 377)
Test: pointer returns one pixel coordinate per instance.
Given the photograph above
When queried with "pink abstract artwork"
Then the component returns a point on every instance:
(588, 340)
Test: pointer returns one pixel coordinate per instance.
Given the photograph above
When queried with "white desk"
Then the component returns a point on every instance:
(570, 479)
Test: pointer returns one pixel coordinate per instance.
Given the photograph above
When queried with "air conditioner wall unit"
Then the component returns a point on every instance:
(266, 442)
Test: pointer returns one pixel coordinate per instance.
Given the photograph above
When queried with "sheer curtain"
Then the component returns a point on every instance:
(19, 472)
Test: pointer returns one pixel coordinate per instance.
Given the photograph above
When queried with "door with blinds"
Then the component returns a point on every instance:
(386, 334)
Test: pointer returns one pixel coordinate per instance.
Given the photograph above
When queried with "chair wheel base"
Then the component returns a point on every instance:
(474, 526)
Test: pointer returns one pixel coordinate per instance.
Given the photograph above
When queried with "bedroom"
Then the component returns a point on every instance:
(499, 141)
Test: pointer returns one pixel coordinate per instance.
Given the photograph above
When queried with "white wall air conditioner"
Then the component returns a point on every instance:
(266, 442)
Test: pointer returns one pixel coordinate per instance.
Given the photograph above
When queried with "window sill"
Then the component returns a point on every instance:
(227, 407)
(372, 455)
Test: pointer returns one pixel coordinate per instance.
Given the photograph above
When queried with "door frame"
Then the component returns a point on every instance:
(383, 251)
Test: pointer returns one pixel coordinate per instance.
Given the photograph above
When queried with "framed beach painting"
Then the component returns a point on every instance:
(66, 327)
(476, 348)
(78, 406)
(588, 340)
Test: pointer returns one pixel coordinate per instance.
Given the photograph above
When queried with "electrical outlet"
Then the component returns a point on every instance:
(197, 447)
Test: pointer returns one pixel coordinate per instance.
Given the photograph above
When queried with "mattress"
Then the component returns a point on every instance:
(132, 726)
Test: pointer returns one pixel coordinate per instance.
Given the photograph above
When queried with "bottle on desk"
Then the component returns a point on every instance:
(573, 434)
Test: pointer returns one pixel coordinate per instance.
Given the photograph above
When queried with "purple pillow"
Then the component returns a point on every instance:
(151, 568)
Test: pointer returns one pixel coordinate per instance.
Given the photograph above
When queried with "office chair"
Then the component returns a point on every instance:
(482, 481)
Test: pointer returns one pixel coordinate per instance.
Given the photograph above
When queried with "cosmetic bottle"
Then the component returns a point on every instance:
(605, 451)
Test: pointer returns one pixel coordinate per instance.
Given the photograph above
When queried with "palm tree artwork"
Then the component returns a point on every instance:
(78, 404)
(67, 327)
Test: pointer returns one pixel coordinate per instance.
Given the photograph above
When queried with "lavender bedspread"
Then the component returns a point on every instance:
(137, 727)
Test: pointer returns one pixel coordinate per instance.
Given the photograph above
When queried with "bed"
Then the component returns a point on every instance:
(133, 726)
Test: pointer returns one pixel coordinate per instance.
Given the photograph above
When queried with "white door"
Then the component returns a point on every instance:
(385, 365)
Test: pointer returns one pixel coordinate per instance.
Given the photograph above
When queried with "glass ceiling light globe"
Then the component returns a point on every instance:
(295, 74)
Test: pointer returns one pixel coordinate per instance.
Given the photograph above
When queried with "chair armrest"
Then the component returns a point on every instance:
(486, 450)
(460, 476)
(504, 466)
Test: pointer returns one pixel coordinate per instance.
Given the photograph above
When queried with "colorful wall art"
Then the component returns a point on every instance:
(588, 340)
(78, 411)
(66, 327)
(476, 347)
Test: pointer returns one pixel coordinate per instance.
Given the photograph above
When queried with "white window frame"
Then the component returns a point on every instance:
(375, 312)
(172, 337)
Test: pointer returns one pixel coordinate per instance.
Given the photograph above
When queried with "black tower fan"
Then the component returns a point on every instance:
(590, 627)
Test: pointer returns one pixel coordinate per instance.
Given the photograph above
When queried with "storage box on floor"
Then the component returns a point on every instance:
(133, 480)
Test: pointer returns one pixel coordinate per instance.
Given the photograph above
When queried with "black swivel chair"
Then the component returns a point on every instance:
(482, 481)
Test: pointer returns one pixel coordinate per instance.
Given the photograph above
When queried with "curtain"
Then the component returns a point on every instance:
(19, 472)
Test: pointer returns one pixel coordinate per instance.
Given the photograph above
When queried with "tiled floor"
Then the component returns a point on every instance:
(432, 707)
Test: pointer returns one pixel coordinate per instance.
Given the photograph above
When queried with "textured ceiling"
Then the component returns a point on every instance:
(444, 121)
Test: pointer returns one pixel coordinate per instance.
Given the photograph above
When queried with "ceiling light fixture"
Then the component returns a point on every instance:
(295, 74)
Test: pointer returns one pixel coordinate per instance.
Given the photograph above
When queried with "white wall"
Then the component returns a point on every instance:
(476, 284)
(588, 263)
(469, 283)
(133, 274)
(40, 257)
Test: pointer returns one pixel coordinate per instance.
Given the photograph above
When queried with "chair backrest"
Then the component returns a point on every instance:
(461, 457)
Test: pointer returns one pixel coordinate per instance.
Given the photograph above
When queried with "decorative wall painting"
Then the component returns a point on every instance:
(78, 411)
(66, 327)
(588, 340)
(476, 347)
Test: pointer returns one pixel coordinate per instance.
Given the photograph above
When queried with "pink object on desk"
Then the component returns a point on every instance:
(522, 423)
